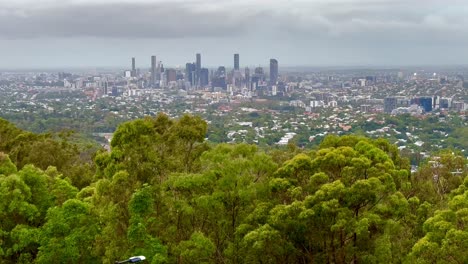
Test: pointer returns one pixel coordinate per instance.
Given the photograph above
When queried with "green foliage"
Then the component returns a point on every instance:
(198, 249)
(163, 193)
(44, 150)
(446, 238)
(151, 148)
(68, 234)
(6, 166)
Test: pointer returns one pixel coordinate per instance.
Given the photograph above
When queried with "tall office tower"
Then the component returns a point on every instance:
(133, 73)
(204, 77)
(190, 69)
(219, 79)
(273, 71)
(426, 103)
(236, 62)
(435, 102)
(259, 75)
(198, 69)
(171, 75)
(153, 71)
(390, 103)
(161, 69)
(106, 86)
(247, 77)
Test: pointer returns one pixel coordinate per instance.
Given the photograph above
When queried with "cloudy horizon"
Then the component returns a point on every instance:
(107, 33)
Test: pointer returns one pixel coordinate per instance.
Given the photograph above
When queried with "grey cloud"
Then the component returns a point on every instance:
(122, 20)
(377, 21)
(351, 20)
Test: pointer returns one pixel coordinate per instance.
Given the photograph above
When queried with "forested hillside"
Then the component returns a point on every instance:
(165, 193)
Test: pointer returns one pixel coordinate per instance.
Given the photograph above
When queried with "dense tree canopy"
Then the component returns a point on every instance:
(163, 192)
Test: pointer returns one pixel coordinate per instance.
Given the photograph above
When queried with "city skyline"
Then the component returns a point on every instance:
(84, 33)
(197, 62)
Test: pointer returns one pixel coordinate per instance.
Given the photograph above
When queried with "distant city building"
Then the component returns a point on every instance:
(133, 73)
(435, 102)
(171, 75)
(64, 75)
(403, 101)
(190, 70)
(445, 103)
(198, 69)
(116, 91)
(426, 103)
(258, 77)
(362, 82)
(236, 62)
(153, 71)
(274, 90)
(390, 103)
(106, 87)
(459, 106)
(127, 74)
(273, 71)
(371, 79)
(259, 71)
(204, 81)
(365, 108)
(412, 110)
(219, 79)
(161, 67)
(247, 77)
(316, 103)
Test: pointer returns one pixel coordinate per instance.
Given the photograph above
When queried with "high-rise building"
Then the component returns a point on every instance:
(153, 71)
(236, 62)
(258, 77)
(390, 103)
(247, 77)
(273, 71)
(171, 75)
(219, 79)
(159, 70)
(190, 69)
(106, 87)
(204, 77)
(426, 103)
(133, 73)
(445, 103)
(259, 71)
(198, 69)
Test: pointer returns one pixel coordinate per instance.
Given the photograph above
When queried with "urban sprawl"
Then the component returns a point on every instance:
(421, 109)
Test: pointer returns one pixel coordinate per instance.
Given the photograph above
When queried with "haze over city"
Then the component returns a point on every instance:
(105, 33)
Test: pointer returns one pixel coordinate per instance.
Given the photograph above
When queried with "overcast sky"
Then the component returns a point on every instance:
(87, 33)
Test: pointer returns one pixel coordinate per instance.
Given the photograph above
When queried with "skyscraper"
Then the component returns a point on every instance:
(247, 77)
(219, 79)
(426, 103)
(171, 75)
(204, 77)
(198, 69)
(259, 75)
(236, 62)
(190, 69)
(390, 103)
(133, 72)
(153, 71)
(273, 71)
